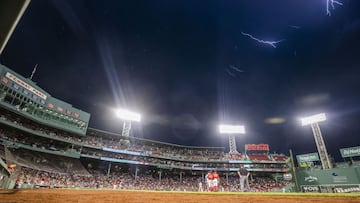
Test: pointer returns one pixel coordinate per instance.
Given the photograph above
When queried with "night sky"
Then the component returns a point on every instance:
(186, 67)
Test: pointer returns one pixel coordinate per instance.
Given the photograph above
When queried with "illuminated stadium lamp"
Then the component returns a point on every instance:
(313, 121)
(232, 130)
(127, 116)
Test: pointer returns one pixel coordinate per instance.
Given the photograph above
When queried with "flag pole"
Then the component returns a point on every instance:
(33, 72)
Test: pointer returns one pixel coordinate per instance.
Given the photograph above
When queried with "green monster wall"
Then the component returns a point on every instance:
(329, 180)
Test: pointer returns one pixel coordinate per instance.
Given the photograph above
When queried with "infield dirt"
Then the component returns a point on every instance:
(87, 196)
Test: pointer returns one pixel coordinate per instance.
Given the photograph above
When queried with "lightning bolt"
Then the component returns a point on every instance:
(230, 73)
(331, 2)
(235, 68)
(271, 43)
(295, 26)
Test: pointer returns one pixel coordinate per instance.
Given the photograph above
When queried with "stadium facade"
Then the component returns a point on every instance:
(45, 133)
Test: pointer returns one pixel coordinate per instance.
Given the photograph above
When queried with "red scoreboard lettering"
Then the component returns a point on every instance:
(257, 147)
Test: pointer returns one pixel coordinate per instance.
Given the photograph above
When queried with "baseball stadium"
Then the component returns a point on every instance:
(49, 153)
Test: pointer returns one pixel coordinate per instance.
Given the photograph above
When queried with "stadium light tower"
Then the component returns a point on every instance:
(127, 117)
(232, 130)
(313, 121)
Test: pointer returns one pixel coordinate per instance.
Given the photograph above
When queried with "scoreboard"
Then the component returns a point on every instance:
(256, 147)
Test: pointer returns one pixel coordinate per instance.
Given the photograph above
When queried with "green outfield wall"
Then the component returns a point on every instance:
(329, 180)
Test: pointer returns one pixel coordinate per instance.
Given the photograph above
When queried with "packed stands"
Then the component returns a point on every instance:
(279, 157)
(258, 157)
(147, 180)
(50, 157)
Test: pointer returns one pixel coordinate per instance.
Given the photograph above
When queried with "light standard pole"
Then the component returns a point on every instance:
(232, 130)
(313, 121)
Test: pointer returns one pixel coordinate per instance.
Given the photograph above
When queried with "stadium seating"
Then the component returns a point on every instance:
(258, 157)
(277, 157)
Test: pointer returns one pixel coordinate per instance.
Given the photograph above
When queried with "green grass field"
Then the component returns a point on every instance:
(139, 196)
(241, 193)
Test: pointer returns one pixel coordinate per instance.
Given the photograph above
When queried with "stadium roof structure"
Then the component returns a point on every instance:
(153, 141)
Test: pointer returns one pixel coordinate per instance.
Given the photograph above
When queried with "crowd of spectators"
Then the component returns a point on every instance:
(37, 142)
(42, 129)
(116, 142)
(144, 181)
(147, 159)
(257, 184)
(42, 161)
(158, 150)
(159, 153)
(163, 153)
(100, 180)
(174, 163)
(53, 145)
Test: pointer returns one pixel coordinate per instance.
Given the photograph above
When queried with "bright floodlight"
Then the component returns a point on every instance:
(232, 129)
(128, 115)
(313, 119)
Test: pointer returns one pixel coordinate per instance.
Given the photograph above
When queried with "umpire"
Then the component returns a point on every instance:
(244, 178)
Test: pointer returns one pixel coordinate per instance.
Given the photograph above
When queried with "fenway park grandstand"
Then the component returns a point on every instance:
(46, 143)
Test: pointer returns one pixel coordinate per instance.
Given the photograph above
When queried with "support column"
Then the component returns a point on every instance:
(126, 128)
(232, 145)
(320, 144)
(109, 169)
(136, 172)
(160, 175)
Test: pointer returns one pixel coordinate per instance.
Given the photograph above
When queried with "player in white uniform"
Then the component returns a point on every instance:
(200, 189)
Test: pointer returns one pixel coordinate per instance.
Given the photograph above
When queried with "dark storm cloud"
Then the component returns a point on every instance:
(186, 67)
(353, 26)
(314, 99)
(185, 121)
(70, 17)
